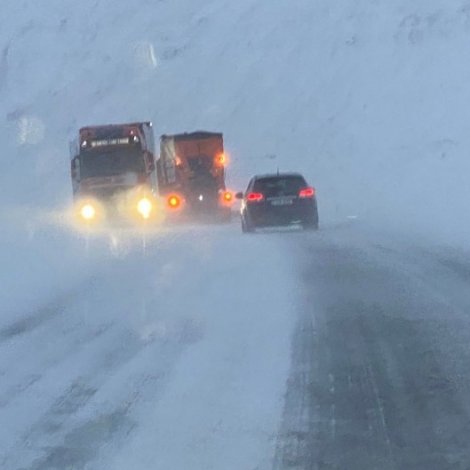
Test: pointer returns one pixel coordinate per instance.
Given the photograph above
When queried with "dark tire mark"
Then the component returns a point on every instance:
(83, 444)
(48, 311)
(4, 66)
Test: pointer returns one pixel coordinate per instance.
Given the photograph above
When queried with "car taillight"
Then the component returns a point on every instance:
(254, 197)
(306, 193)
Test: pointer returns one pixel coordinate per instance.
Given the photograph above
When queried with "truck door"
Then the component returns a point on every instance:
(75, 172)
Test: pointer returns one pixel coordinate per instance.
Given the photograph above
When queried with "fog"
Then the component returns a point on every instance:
(368, 99)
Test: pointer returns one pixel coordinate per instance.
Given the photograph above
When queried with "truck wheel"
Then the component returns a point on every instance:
(311, 226)
(226, 216)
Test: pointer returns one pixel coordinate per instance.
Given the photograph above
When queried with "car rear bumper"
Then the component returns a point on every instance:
(264, 215)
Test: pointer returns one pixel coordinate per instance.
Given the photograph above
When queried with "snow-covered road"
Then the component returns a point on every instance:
(207, 349)
(203, 349)
(380, 375)
(170, 356)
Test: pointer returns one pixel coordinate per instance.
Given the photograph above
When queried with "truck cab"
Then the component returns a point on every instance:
(112, 166)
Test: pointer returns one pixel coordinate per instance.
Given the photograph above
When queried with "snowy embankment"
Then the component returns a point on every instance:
(367, 99)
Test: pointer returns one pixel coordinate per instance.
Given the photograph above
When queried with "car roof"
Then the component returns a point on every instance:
(279, 175)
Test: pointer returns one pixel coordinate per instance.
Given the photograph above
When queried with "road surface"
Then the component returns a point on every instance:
(207, 349)
(380, 374)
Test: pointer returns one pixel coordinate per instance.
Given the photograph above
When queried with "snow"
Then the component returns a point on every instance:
(217, 410)
(367, 99)
(197, 326)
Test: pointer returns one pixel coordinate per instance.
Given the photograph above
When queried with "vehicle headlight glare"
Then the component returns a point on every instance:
(144, 207)
(88, 212)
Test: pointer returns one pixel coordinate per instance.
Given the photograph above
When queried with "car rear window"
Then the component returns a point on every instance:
(279, 185)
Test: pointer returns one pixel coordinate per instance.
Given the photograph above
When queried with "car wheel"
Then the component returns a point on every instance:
(247, 227)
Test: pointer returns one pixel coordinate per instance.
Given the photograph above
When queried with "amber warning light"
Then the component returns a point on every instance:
(227, 197)
(174, 201)
(221, 159)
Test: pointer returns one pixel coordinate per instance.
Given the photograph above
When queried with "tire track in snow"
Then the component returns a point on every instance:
(4, 66)
(50, 310)
(25, 360)
(94, 425)
(57, 437)
(75, 389)
(396, 353)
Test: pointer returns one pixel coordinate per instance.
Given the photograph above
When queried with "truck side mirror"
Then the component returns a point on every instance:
(75, 169)
(239, 195)
(150, 162)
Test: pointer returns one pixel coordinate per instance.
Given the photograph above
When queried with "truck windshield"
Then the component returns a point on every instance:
(111, 162)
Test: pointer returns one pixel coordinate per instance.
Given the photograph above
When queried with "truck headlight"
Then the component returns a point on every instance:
(88, 212)
(144, 207)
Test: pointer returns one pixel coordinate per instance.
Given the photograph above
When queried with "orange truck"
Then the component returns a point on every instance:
(191, 174)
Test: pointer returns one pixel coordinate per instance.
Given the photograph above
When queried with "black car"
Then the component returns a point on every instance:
(277, 200)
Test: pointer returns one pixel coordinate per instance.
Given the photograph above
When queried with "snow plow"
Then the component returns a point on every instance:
(113, 173)
(191, 176)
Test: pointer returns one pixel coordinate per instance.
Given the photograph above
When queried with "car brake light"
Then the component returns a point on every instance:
(255, 197)
(307, 193)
